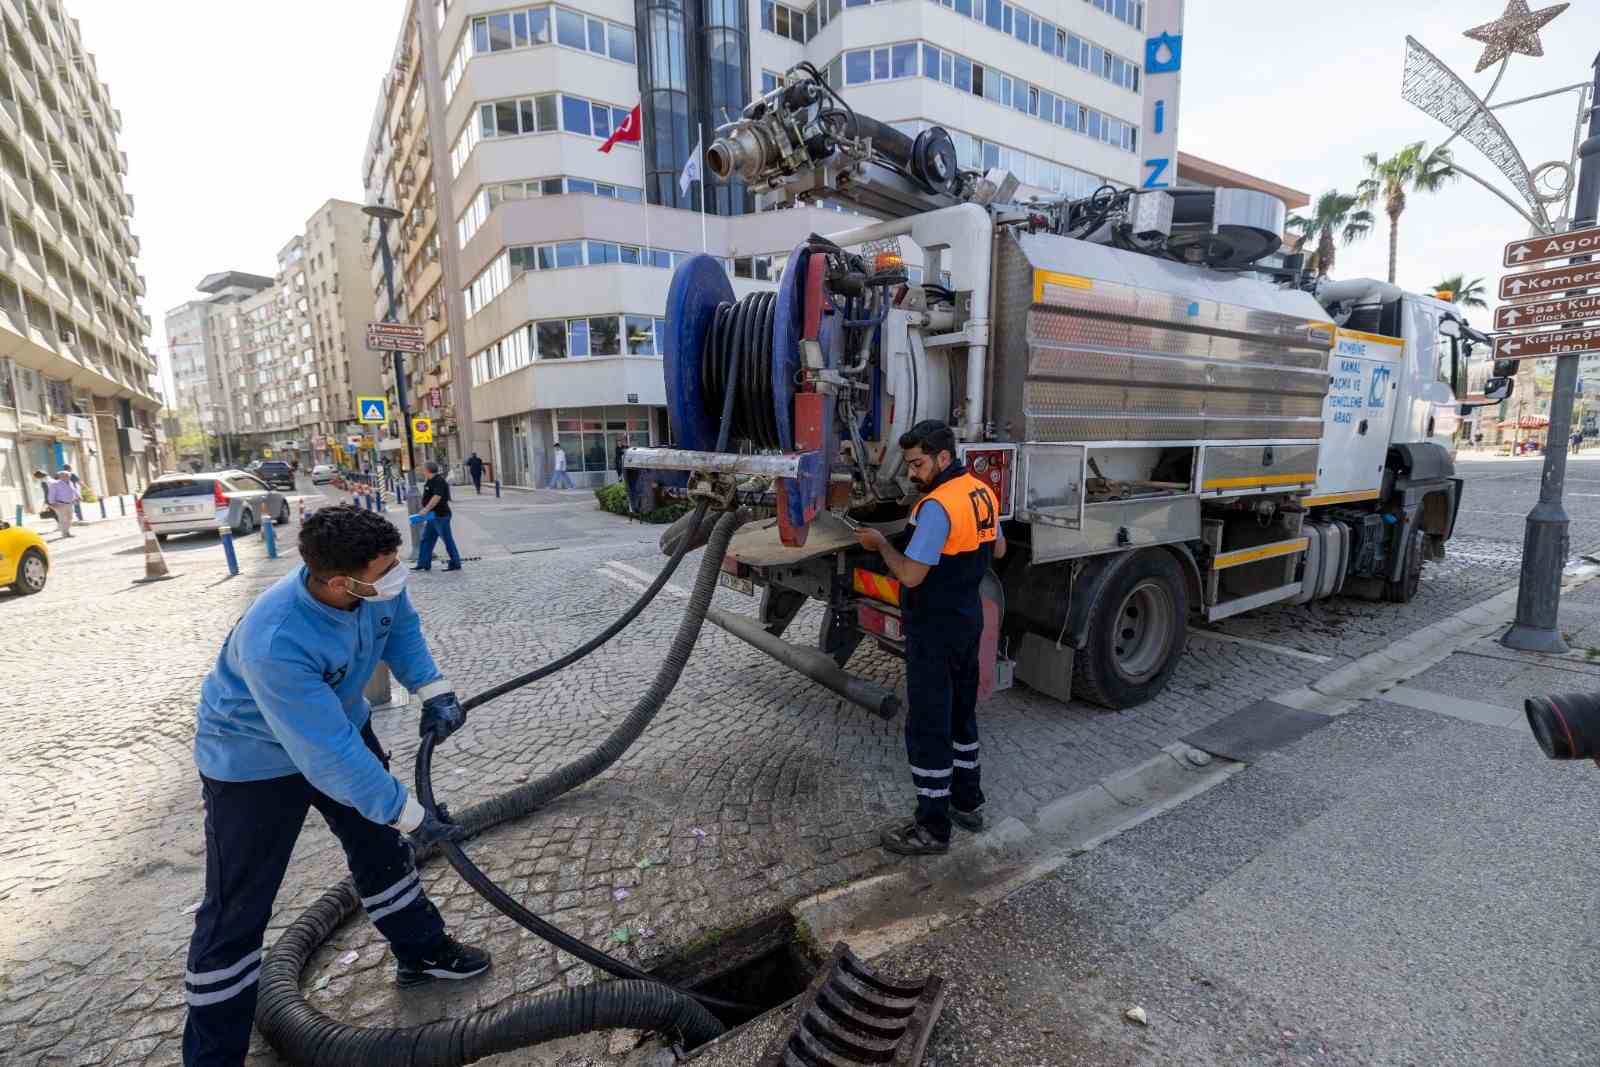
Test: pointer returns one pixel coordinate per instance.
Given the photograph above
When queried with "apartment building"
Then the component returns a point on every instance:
(198, 357)
(403, 168)
(76, 383)
(272, 365)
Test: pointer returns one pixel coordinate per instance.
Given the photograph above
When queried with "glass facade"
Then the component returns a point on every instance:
(590, 437)
(694, 63)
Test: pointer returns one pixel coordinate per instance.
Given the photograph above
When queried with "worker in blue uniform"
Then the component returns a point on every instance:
(283, 727)
(940, 563)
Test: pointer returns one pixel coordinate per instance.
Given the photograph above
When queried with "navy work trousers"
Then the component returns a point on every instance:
(942, 722)
(251, 828)
(436, 527)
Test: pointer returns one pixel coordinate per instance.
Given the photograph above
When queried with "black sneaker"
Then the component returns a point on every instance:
(968, 820)
(449, 959)
(912, 839)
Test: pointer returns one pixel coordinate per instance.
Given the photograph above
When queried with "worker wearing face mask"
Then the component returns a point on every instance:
(283, 727)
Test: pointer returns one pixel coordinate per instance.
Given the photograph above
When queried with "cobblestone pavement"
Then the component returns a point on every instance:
(752, 788)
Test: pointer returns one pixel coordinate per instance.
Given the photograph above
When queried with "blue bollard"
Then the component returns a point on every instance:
(497, 488)
(122, 504)
(19, 514)
(102, 507)
(270, 536)
(227, 547)
(77, 511)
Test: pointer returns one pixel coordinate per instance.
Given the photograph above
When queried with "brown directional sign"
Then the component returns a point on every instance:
(1573, 309)
(1542, 249)
(1578, 342)
(394, 337)
(1552, 281)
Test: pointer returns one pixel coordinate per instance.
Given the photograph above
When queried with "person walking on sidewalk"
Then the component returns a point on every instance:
(283, 727)
(436, 512)
(61, 496)
(945, 553)
(475, 469)
(558, 476)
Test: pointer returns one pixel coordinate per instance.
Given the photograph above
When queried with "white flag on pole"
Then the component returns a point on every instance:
(691, 169)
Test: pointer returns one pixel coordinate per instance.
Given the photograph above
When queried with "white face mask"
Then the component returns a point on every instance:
(391, 585)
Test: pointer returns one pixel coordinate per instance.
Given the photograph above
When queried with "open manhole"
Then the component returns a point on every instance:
(760, 966)
(801, 1012)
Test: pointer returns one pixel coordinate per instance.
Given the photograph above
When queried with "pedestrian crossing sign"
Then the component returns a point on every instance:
(372, 409)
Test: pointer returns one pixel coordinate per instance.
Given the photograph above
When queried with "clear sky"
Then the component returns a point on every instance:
(239, 120)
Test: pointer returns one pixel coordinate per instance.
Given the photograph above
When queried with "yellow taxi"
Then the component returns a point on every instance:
(24, 559)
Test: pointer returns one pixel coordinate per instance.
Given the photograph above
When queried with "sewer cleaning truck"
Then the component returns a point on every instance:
(1173, 428)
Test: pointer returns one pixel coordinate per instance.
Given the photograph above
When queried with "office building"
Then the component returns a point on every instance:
(563, 253)
(271, 366)
(76, 383)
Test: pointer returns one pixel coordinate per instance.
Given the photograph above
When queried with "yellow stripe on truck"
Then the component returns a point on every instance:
(1251, 555)
(1255, 481)
(1042, 278)
(1340, 498)
(876, 586)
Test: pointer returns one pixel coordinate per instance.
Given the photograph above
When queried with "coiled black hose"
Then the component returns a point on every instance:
(736, 361)
(303, 1034)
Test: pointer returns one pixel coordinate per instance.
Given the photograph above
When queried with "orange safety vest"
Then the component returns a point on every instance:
(973, 511)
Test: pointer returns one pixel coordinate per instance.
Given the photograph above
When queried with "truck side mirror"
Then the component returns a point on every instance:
(1498, 389)
(1504, 368)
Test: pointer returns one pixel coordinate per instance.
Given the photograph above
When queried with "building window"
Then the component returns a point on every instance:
(794, 23)
(1046, 36)
(963, 74)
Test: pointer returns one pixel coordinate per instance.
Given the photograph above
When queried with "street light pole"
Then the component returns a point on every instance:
(1545, 542)
(385, 215)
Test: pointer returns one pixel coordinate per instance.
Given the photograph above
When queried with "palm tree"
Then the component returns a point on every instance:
(1467, 294)
(1409, 170)
(1334, 213)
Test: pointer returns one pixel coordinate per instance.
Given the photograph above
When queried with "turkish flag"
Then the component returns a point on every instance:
(628, 131)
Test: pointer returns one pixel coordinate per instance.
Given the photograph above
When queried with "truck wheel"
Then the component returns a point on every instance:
(1136, 633)
(1402, 591)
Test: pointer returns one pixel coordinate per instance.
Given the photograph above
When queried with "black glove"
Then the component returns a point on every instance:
(436, 827)
(442, 715)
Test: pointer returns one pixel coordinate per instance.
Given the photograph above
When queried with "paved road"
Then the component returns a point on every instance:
(753, 787)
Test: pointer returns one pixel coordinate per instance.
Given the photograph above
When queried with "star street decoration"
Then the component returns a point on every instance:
(1438, 92)
(1515, 31)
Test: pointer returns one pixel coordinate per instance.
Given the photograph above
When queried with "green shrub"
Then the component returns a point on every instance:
(670, 512)
(613, 498)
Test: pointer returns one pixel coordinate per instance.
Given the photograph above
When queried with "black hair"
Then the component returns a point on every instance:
(932, 436)
(344, 539)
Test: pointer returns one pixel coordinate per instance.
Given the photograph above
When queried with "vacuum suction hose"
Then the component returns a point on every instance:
(303, 1034)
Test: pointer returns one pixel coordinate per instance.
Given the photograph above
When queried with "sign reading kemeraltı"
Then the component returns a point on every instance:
(1549, 282)
(394, 337)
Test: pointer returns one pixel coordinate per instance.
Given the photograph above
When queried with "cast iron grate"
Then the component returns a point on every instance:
(850, 1016)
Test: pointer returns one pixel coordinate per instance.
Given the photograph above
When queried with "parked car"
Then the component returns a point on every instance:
(24, 559)
(186, 503)
(276, 473)
(322, 474)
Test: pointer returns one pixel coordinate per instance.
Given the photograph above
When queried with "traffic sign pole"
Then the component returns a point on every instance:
(1545, 541)
(399, 364)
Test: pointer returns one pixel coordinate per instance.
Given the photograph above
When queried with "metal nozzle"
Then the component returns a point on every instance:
(746, 151)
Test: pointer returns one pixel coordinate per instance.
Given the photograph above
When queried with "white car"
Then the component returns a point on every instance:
(188, 503)
(322, 474)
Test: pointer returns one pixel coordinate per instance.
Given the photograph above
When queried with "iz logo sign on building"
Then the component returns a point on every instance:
(1163, 66)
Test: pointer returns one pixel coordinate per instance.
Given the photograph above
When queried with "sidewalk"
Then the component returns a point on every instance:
(1412, 882)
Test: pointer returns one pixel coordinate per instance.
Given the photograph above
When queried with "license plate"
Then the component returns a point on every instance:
(738, 585)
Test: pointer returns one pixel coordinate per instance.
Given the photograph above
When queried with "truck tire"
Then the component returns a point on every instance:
(1401, 592)
(1136, 633)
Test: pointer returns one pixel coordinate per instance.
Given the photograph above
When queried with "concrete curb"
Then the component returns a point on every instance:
(1341, 690)
(885, 910)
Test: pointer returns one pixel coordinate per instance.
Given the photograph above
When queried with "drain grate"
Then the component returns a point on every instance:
(850, 1016)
